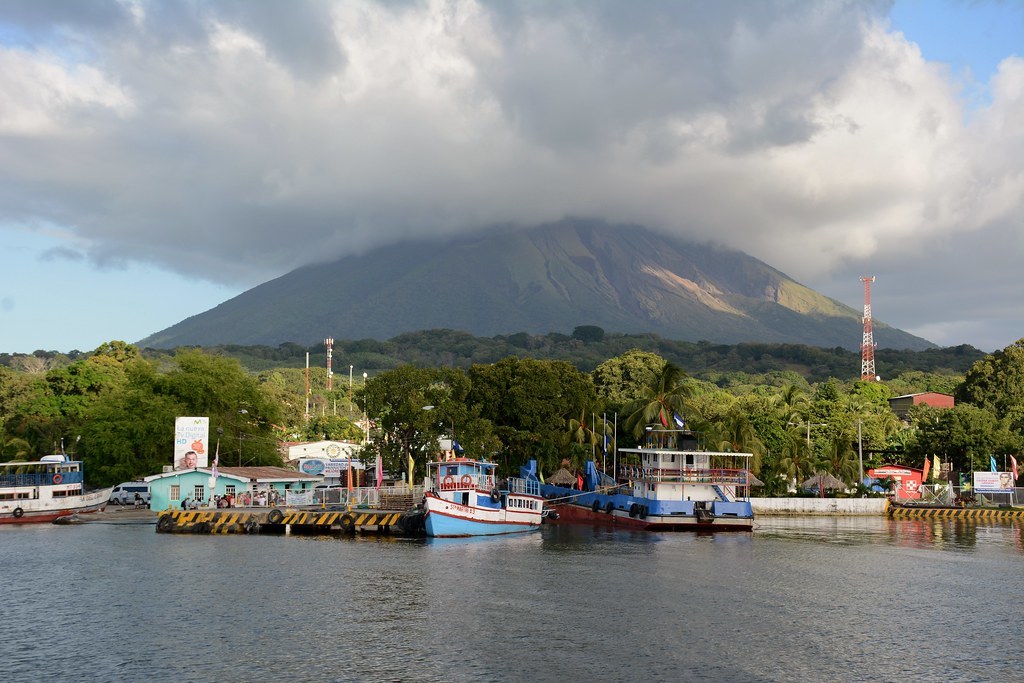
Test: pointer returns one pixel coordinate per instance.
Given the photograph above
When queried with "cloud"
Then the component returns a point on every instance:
(239, 140)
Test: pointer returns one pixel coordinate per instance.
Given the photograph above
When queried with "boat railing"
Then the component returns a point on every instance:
(688, 475)
(456, 482)
(39, 479)
(526, 487)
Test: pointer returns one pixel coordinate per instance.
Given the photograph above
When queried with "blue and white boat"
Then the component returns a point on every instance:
(464, 498)
(669, 483)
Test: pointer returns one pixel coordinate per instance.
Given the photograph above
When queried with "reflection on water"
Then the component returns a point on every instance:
(806, 599)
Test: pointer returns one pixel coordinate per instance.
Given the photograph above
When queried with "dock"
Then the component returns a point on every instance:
(292, 520)
(953, 512)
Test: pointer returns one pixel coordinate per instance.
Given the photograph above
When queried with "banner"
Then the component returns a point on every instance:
(191, 439)
(993, 482)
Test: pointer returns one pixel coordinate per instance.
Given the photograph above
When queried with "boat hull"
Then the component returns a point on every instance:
(445, 519)
(41, 512)
(569, 513)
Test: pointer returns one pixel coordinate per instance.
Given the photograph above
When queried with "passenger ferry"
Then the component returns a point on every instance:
(668, 484)
(464, 498)
(43, 490)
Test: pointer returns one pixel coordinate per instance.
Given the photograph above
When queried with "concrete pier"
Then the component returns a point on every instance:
(257, 520)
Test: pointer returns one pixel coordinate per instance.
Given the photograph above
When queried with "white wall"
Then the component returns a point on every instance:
(819, 506)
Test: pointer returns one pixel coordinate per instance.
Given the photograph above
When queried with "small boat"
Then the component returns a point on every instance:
(668, 484)
(464, 498)
(45, 490)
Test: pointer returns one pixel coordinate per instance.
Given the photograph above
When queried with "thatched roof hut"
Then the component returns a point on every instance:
(562, 477)
(824, 481)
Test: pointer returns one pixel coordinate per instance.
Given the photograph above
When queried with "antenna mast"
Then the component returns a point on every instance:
(329, 343)
(867, 345)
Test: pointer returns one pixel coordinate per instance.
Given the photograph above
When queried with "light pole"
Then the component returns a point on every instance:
(243, 411)
(860, 451)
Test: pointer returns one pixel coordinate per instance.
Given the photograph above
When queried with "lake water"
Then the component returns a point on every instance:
(808, 599)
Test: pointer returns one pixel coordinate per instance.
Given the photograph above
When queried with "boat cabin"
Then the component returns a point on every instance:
(55, 473)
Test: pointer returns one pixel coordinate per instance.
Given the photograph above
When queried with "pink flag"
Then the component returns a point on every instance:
(380, 470)
(216, 460)
(1013, 465)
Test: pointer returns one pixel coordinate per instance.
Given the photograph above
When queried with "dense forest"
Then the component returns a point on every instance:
(555, 398)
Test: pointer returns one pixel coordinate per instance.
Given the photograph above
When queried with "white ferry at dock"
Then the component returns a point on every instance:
(44, 490)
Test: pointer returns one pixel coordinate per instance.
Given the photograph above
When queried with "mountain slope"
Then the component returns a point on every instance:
(550, 278)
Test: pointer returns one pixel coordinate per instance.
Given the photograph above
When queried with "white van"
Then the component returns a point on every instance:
(124, 494)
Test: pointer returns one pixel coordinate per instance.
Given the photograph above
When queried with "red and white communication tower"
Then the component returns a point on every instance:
(867, 345)
(329, 343)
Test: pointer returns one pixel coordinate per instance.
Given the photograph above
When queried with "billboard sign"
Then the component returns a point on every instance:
(191, 442)
(993, 482)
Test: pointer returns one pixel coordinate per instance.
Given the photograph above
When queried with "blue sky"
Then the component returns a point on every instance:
(161, 191)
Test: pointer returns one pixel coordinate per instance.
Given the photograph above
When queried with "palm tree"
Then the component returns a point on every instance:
(797, 462)
(737, 435)
(660, 401)
(840, 461)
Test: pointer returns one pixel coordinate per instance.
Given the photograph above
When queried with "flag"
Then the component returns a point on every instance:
(380, 470)
(936, 467)
(216, 461)
(680, 422)
(992, 463)
(1013, 466)
(540, 475)
(412, 468)
(927, 466)
(607, 441)
(664, 422)
(457, 447)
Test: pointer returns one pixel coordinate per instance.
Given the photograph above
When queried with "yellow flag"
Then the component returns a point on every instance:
(412, 468)
(540, 475)
(936, 466)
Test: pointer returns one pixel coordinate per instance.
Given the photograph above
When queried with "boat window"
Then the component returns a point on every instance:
(689, 459)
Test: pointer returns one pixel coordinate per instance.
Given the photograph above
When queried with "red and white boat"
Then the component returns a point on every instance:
(43, 490)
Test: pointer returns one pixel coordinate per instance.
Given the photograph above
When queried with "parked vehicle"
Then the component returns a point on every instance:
(124, 494)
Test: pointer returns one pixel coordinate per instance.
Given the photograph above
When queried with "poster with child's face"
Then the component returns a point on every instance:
(191, 439)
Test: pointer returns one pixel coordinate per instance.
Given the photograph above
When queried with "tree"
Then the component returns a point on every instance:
(660, 401)
(622, 379)
(797, 461)
(996, 382)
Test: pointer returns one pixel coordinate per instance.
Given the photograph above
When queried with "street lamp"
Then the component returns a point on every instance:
(243, 411)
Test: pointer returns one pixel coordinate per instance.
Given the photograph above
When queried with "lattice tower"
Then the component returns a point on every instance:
(867, 344)
(329, 343)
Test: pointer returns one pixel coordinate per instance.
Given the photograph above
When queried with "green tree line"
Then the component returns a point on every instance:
(114, 408)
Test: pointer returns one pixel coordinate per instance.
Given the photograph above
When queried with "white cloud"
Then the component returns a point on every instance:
(237, 140)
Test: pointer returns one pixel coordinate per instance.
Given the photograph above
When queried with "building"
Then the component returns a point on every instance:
(332, 461)
(901, 404)
(277, 483)
(906, 480)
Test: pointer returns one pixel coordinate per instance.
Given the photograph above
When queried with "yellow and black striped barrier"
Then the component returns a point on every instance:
(248, 521)
(920, 512)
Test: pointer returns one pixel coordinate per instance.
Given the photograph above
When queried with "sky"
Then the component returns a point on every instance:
(158, 158)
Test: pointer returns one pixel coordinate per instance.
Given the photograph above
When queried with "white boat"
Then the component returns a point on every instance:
(464, 498)
(669, 483)
(43, 490)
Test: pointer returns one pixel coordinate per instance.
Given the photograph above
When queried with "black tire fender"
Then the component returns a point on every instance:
(165, 523)
(348, 523)
(495, 495)
(596, 506)
(609, 507)
(18, 512)
(634, 509)
(275, 516)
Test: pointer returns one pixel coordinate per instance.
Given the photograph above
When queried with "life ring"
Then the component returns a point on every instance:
(609, 507)
(448, 482)
(275, 516)
(165, 523)
(57, 479)
(348, 523)
(466, 480)
(18, 512)
(495, 495)
(596, 506)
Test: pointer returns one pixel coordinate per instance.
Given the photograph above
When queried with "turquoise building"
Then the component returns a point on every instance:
(247, 486)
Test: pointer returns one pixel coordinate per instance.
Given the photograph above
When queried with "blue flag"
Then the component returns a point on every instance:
(456, 446)
(992, 463)
(680, 422)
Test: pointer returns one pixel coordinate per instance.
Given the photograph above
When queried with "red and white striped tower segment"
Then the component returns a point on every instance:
(329, 343)
(867, 344)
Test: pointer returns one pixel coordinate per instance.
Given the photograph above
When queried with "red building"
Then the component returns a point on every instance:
(901, 404)
(908, 480)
